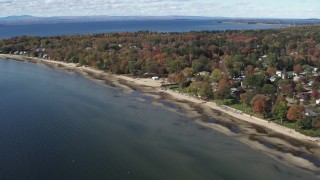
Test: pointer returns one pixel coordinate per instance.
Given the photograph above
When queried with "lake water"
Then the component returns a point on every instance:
(59, 125)
(178, 25)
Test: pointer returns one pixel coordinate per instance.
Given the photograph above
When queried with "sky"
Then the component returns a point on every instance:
(211, 8)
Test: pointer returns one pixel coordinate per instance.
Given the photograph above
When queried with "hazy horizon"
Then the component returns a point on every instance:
(208, 8)
(151, 16)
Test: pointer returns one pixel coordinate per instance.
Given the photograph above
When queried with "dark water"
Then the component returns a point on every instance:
(58, 125)
(124, 26)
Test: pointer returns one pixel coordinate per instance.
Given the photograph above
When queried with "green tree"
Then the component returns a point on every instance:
(280, 110)
(205, 90)
(216, 75)
(187, 72)
(299, 87)
(254, 81)
(269, 89)
(305, 123)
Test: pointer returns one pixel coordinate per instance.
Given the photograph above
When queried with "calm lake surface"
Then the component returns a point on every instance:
(179, 25)
(59, 125)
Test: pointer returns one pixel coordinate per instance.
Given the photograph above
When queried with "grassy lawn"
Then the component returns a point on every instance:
(235, 104)
(308, 132)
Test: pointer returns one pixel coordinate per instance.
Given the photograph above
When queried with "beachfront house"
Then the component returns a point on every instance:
(155, 78)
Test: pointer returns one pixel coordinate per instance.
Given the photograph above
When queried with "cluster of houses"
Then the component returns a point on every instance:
(40, 53)
(304, 97)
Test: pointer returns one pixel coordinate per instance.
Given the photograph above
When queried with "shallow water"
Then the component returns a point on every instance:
(58, 125)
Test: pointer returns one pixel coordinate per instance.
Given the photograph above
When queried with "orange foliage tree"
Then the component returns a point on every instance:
(296, 112)
(260, 104)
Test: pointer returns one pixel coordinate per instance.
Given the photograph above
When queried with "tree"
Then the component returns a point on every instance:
(187, 72)
(287, 89)
(281, 98)
(295, 112)
(216, 75)
(205, 90)
(305, 123)
(223, 90)
(268, 89)
(280, 110)
(197, 66)
(316, 123)
(247, 97)
(243, 98)
(299, 87)
(254, 81)
(297, 69)
(250, 69)
(201, 88)
(181, 79)
(315, 94)
(271, 70)
(260, 104)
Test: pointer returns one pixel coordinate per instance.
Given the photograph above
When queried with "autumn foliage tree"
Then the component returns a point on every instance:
(315, 94)
(297, 69)
(260, 104)
(295, 112)
(316, 123)
(287, 89)
(223, 89)
(271, 70)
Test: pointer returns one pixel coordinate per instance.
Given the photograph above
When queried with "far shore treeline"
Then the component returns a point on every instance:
(270, 73)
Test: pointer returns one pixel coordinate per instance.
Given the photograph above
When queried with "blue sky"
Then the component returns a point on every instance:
(213, 8)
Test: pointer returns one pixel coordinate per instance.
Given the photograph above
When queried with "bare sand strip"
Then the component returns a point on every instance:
(254, 131)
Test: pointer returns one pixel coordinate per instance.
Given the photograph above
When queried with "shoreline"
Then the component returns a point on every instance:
(255, 132)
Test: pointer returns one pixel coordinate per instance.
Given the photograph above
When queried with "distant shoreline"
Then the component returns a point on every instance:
(253, 131)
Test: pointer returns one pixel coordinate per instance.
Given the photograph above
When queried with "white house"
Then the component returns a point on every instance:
(203, 73)
(279, 73)
(272, 79)
(155, 78)
(296, 78)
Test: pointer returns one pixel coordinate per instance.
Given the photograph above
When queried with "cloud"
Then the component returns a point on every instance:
(151, 1)
(243, 3)
(5, 2)
(227, 8)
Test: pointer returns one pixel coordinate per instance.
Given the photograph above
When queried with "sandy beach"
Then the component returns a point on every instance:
(255, 132)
